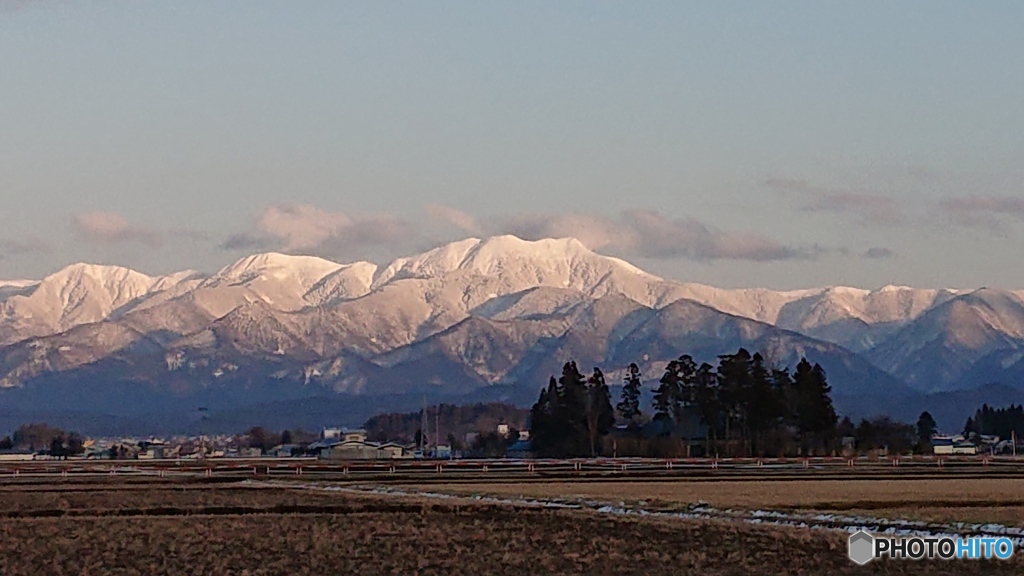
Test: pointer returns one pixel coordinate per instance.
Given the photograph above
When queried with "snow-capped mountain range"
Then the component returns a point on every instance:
(474, 318)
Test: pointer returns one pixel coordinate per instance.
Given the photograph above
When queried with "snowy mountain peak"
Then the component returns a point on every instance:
(101, 272)
(500, 249)
(304, 270)
(847, 291)
(77, 294)
(430, 264)
(562, 261)
(895, 288)
(104, 284)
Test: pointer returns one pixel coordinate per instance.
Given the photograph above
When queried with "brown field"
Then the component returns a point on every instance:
(938, 500)
(136, 500)
(233, 530)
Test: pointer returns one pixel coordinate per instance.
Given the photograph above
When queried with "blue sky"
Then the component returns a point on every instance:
(778, 144)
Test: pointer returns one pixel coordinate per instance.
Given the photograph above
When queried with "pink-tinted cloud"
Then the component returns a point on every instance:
(112, 228)
(983, 211)
(868, 208)
(455, 218)
(306, 228)
(10, 247)
(657, 236)
(594, 232)
(647, 233)
(878, 253)
(639, 233)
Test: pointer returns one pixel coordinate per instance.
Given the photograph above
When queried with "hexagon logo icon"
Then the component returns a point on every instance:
(861, 547)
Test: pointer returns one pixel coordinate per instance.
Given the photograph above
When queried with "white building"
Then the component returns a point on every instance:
(16, 455)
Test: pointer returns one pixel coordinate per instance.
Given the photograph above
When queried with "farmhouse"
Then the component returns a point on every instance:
(359, 450)
(945, 445)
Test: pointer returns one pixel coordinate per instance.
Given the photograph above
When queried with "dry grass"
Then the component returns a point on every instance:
(371, 535)
(951, 500)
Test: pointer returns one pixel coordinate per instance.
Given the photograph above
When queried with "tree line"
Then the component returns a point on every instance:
(744, 406)
(1002, 422)
(39, 436)
(444, 420)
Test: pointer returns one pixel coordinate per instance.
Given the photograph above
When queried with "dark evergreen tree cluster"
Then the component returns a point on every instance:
(925, 429)
(1002, 422)
(747, 406)
(629, 405)
(744, 406)
(572, 415)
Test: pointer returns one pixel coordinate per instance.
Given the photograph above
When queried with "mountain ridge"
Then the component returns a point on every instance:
(474, 314)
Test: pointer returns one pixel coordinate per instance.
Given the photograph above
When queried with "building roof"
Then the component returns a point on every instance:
(321, 444)
(521, 446)
(352, 443)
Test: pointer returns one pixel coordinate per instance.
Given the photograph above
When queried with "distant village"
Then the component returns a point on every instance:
(499, 430)
(337, 443)
(331, 444)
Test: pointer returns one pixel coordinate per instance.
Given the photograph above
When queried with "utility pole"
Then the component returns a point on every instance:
(423, 426)
(202, 436)
(437, 427)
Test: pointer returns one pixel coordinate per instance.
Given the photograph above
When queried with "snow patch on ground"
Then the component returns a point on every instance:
(703, 511)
